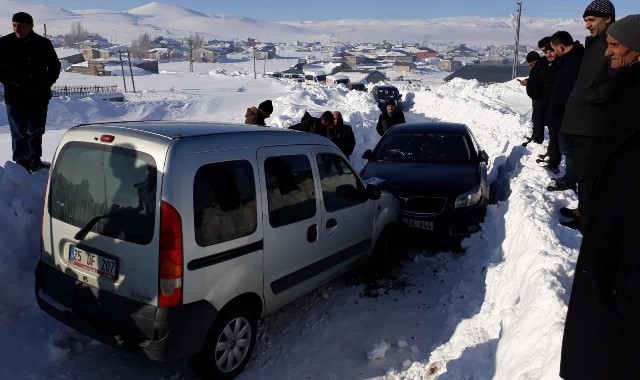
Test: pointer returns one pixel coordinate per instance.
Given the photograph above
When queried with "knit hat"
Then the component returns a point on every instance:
(391, 102)
(266, 107)
(22, 18)
(627, 31)
(600, 8)
(327, 115)
(533, 56)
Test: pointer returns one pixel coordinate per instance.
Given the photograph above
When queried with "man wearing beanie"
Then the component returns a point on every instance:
(388, 119)
(602, 328)
(29, 67)
(256, 115)
(585, 117)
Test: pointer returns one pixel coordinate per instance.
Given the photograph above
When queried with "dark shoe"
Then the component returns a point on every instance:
(543, 156)
(24, 164)
(552, 168)
(560, 186)
(527, 142)
(573, 213)
(573, 223)
(37, 165)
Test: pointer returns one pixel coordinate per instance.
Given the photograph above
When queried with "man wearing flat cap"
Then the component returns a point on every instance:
(602, 329)
(29, 67)
(585, 118)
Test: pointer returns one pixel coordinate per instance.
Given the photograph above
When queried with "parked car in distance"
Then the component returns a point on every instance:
(438, 172)
(172, 238)
(382, 93)
(293, 77)
(357, 86)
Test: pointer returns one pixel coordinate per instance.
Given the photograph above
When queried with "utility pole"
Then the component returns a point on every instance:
(122, 67)
(254, 63)
(190, 56)
(133, 83)
(45, 30)
(517, 44)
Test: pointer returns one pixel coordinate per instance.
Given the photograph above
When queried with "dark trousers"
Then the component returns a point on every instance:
(27, 123)
(538, 120)
(567, 148)
(584, 155)
(553, 149)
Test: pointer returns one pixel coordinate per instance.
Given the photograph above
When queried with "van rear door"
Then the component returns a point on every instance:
(100, 222)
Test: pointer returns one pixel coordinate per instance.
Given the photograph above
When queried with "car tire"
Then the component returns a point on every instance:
(382, 251)
(228, 346)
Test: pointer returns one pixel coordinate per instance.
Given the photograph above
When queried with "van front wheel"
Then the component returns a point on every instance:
(228, 346)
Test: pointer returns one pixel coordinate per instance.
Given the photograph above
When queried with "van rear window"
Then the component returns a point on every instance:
(117, 184)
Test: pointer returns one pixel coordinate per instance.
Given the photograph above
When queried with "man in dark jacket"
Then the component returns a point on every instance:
(308, 123)
(602, 329)
(569, 55)
(548, 75)
(256, 115)
(388, 119)
(535, 85)
(584, 120)
(29, 67)
(341, 135)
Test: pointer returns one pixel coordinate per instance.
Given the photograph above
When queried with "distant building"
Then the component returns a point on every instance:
(489, 73)
(208, 54)
(463, 51)
(449, 64)
(364, 76)
(403, 66)
(425, 53)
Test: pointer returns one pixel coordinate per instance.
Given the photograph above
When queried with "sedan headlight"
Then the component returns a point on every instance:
(469, 198)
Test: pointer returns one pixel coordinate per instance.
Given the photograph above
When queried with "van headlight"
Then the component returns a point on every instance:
(469, 198)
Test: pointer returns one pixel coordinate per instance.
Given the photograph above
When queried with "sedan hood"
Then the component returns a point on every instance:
(424, 179)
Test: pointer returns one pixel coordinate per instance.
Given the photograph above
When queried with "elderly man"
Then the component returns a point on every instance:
(388, 119)
(584, 121)
(29, 67)
(602, 330)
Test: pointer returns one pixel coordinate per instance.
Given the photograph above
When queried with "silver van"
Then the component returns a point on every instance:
(172, 239)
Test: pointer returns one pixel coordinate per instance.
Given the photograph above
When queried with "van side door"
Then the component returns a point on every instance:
(347, 215)
(293, 249)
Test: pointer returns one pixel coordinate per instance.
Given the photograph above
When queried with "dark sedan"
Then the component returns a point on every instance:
(438, 172)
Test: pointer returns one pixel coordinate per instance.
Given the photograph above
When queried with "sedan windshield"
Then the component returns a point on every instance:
(423, 148)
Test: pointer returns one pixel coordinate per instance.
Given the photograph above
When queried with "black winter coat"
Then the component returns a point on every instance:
(586, 108)
(535, 82)
(566, 75)
(342, 136)
(386, 121)
(28, 68)
(602, 330)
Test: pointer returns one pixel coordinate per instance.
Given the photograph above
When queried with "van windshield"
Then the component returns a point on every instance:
(90, 180)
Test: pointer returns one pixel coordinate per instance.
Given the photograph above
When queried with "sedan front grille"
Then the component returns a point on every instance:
(423, 205)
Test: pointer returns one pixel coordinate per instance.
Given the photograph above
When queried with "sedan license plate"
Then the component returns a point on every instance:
(92, 262)
(422, 224)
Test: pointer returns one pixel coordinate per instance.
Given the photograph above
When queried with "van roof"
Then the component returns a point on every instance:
(175, 130)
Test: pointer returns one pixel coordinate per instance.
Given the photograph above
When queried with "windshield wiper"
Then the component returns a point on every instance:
(87, 227)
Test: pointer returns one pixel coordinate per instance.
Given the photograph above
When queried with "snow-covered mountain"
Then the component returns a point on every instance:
(159, 19)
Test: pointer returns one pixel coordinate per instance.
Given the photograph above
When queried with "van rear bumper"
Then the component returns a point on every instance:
(158, 333)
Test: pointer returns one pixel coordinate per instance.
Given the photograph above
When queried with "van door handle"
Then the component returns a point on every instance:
(332, 223)
(312, 233)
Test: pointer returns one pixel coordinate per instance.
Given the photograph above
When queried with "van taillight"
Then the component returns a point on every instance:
(171, 257)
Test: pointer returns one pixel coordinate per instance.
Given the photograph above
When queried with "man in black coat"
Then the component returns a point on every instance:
(569, 55)
(602, 329)
(341, 135)
(29, 67)
(308, 123)
(535, 85)
(585, 116)
(388, 119)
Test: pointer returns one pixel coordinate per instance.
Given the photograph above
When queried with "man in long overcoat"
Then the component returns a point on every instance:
(602, 329)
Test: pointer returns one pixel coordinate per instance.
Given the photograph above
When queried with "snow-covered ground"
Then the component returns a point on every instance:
(494, 309)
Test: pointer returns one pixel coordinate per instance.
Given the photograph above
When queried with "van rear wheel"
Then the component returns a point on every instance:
(228, 346)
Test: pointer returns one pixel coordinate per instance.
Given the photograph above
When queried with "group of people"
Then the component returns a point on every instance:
(329, 124)
(589, 98)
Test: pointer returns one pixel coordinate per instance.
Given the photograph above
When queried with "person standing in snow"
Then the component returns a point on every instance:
(585, 118)
(341, 134)
(548, 77)
(307, 123)
(29, 67)
(534, 85)
(388, 119)
(256, 115)
(602, 330)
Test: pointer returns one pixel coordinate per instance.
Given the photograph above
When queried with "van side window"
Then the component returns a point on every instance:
(290, 189)
(224, 202)
(116, 183)
(340, 186)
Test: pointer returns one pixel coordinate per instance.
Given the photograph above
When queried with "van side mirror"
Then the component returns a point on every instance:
(483, 156)
(373, 192)
(367, 155)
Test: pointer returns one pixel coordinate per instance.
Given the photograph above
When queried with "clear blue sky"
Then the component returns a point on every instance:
(297, 10)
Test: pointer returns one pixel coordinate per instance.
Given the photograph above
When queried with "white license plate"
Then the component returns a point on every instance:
(92, 262)
(423, 224)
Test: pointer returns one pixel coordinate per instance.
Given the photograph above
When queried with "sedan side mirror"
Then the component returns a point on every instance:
(367, 155)
(484, 157)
